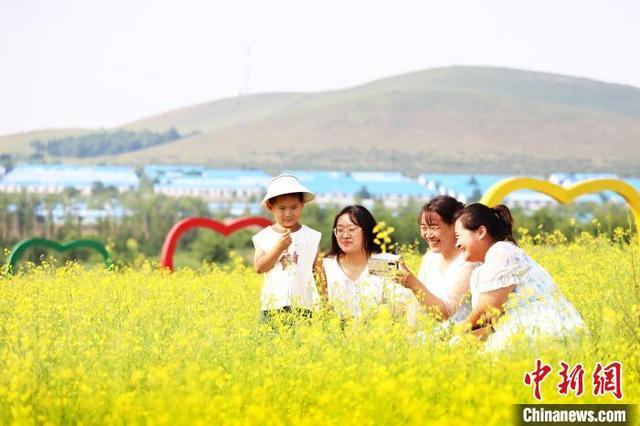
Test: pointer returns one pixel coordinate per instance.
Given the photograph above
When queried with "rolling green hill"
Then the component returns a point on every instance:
(455, 119)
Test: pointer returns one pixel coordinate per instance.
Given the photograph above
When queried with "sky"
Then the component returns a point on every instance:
(100, 64)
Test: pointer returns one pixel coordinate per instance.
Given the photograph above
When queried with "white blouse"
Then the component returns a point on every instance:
(440, 282)
(353, 298)
(536, 307)
(290, 282)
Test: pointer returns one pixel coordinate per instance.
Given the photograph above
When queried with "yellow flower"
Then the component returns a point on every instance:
(140, 345)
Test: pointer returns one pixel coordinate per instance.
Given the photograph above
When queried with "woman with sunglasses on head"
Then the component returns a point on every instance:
(511, 293)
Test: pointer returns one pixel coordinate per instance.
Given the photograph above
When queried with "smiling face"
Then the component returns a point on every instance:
(349, 235)
(439, 235)
(472, 244)
(286, 210)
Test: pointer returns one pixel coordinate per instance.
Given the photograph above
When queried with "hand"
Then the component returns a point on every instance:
(285, 241)
(403, 275)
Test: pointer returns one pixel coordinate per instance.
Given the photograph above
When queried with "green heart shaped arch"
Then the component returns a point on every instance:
(19, 249)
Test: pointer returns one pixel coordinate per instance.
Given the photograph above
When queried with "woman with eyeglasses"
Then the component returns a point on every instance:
(352, 290)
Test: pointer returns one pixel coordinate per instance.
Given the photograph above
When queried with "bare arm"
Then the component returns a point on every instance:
(264, 261)
(424, 296)
(460, 288)
(489, 308)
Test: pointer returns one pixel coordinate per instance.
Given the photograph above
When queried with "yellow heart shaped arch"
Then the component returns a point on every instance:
(500, 190)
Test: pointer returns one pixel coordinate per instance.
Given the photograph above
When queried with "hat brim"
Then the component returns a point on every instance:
(307, 196)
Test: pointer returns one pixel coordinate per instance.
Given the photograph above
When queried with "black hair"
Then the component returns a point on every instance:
(444, 206)
(363, 218)
(498, 220)
(272, 200)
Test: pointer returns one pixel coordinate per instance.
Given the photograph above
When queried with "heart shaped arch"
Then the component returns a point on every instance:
(500, 190)
(19, 249)
(173, 236)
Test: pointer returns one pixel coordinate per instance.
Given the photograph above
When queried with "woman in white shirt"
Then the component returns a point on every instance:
(444, 273)
(351, 289)
(511, 294)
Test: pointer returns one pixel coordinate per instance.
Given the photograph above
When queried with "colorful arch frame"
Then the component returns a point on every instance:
(173, 236)
(20, 248)
(500, 190)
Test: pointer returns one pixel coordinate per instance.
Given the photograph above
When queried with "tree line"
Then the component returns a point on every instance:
(102, 143)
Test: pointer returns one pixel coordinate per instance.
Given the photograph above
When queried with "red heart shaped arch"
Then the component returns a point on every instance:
(173, 236)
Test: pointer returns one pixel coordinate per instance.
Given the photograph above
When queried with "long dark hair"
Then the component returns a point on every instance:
(497, 220)
(363, 218)
(444, 206)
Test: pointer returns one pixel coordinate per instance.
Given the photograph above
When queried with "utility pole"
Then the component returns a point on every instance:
(247, 70)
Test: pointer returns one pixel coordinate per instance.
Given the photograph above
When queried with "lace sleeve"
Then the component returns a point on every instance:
(504, 266)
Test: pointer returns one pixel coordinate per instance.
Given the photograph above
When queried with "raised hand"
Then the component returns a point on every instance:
(285, 241)
(403, 274)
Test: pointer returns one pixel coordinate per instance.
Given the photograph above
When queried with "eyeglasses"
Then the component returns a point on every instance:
(351, 230)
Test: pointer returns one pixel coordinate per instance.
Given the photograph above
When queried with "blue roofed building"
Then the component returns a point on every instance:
(567, 179)
(343, 188)
(80, 211)
(235, 209)
(465, 188)
(220, 185)
(529, 200)
(393, 188)
(158, 171)
(54, 178)
(470, 188)
(329, 187)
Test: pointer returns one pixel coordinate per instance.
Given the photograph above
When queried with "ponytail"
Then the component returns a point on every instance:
(504, 215)
(498, 220)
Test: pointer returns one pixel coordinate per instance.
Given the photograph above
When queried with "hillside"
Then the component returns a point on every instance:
(19, 144)
(470, 119)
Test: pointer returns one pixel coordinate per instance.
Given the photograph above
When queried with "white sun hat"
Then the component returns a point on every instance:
(286, 184)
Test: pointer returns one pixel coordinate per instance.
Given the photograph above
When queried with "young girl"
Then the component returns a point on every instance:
(510, 293)
(286, 252)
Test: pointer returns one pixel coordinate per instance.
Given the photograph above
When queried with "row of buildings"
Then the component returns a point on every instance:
(238, 190)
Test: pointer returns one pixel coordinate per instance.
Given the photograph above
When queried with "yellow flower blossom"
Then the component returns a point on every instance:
(140, 345)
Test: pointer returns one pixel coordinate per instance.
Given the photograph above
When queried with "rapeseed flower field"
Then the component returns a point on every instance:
(84, 345)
